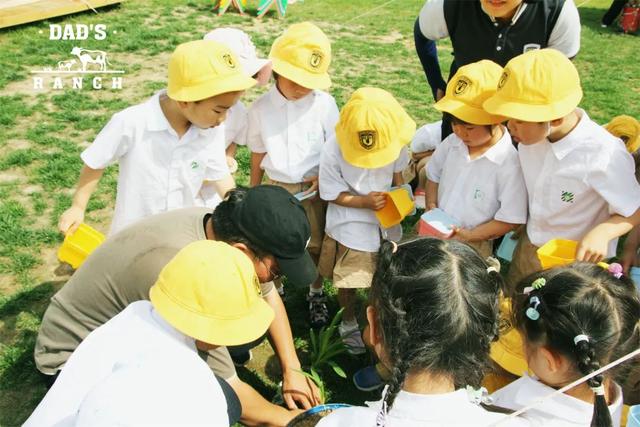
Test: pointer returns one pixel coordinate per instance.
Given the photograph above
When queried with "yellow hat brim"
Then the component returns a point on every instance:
(300, 76)
(243, 329)
(531, 112)
(467, 113)
(507, 352)
(211, 87)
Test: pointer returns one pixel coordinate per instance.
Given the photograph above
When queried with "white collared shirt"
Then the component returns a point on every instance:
(355, 228)
(561, 410)
(577, 182)
(158, 171)
(136, 335)
(420, 410)
(292, 133)
(479, 190)
(236, 125)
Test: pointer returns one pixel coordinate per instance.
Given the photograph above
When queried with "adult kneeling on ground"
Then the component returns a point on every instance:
(266, 223)
(207, 296)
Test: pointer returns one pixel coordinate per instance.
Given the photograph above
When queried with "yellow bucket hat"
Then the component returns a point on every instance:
(203, 68)
(468, 89)
(302, 54)
(626, 127)
(507, 351)
(209, 291)
(537, 86)
(373, 128)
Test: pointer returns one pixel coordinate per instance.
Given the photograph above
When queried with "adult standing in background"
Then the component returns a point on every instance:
(492, 29)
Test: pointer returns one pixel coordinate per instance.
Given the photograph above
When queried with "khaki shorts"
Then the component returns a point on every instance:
(348, 268)
(484, 247)
(525, 261)
(316, 210)
(417, 168)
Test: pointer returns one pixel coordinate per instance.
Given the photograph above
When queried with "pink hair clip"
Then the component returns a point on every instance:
(614, 268)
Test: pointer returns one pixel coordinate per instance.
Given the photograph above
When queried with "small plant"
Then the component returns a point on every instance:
(315, 377)
(326, 344)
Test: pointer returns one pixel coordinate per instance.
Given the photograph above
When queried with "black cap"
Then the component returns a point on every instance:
(275, 221)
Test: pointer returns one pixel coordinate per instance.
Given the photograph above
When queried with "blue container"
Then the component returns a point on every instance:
(507, 246)
(315, 410)
(634, 272)
(633, 419)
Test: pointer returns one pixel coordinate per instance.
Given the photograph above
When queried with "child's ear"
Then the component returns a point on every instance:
(554, 361)
(556, 122)
(374, 335)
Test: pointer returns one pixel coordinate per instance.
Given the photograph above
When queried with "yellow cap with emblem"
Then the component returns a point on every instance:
(468, 89)
(537, 86)
(201, 69)
(302, 54)
(209, 291)
(373, 128)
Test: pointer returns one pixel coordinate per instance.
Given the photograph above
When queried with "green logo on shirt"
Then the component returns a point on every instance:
(567, 196)
(194, 165)
(478, 194)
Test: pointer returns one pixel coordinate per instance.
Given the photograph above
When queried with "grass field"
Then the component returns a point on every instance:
(43, 131)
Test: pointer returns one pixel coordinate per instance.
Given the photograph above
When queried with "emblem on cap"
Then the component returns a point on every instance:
(462, 85)
(228, 59)
(503, 79)
(316, 59)
(367, 139)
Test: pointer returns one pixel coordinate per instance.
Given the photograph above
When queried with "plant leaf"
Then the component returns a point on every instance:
(337, 369)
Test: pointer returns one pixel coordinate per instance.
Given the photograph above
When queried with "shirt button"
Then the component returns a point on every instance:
(499, 36)
(499, 48)
(495, 24)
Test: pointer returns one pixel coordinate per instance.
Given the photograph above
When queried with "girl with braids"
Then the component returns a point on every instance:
(432, 316)
(573, 320)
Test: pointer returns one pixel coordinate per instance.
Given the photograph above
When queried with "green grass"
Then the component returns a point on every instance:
(42, 134)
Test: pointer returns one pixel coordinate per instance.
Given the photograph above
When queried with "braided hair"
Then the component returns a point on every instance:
(584, 313)
(437, 310)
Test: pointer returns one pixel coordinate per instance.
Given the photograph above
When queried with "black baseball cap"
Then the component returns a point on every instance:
(274, 220)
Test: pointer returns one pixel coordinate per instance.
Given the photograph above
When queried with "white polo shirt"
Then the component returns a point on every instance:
(562, 410)
(577, 182)
(158, 171)
(236, 125)
(136, 335)
(479, 190)
(565, 35)
(355, 228)
(420, 410)
(292, 133)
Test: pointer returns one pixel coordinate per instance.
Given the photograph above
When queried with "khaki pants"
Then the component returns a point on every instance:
(417, 168)
(348, 268)
(525, 262)
(316, 210)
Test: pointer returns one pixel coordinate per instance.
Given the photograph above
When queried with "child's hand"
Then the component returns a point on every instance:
(375, 200)
(70, 220)
(314, 184)
(593, 247)
(232, 164)
(461, 234)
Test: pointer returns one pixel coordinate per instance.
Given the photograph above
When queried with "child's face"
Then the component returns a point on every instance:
(528, 133)
(210, 112)
(291, 90)
(473, 136)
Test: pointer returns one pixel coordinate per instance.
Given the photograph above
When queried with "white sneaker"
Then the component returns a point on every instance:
(352, 339)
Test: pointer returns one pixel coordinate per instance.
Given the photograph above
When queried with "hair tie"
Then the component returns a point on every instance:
(598, 390)
(614, 268)
(532, 312)
(537, 284)
(395, 247)
(580, 338)
(492, 268)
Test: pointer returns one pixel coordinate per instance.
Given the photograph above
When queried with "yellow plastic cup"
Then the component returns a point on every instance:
(557, 252)
(77, 246)
(398, 206)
